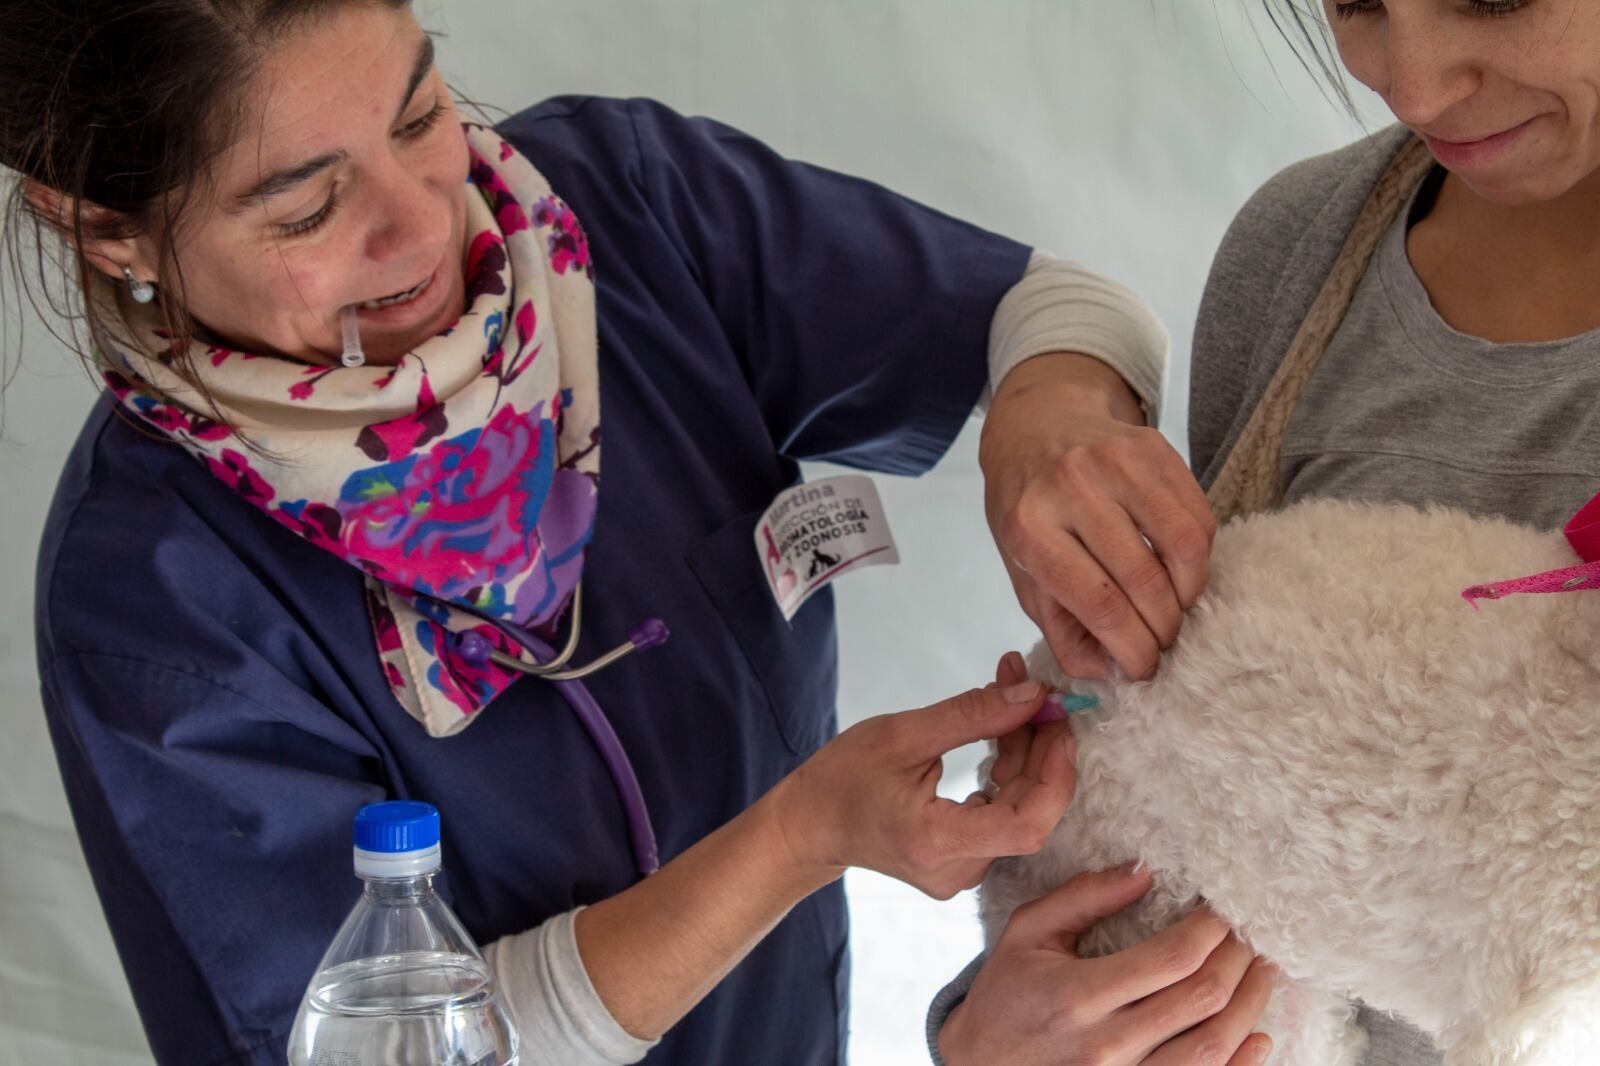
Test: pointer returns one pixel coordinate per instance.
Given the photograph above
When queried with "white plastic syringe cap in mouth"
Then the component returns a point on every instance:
(350, 326)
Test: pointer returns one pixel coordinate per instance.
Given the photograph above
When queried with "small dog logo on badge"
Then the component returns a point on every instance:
(816, 531)
(821, 563)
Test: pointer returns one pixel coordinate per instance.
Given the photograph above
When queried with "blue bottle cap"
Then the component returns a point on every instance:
(397, 826)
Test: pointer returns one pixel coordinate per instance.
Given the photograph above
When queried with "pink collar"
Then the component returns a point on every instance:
(1583, 533)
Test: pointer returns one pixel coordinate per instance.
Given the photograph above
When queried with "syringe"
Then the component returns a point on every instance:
(350, 326)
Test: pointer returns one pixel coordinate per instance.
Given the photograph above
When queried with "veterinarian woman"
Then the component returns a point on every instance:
(358, 360)
(1415, 318)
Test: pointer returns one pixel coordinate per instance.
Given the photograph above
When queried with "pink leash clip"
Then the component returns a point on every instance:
(1583, 533)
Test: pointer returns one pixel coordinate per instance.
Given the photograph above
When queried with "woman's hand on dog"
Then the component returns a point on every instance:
(1104, 531)
(1191, 994)
(869, 797)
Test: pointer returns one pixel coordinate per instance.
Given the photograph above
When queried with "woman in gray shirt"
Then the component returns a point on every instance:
(1426, 307)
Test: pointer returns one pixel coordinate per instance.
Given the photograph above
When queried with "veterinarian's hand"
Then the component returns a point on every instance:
(1018, 753)
(1102, 527)
(869, 799)
(1190, 994)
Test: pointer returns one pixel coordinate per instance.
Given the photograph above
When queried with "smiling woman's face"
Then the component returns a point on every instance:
(347, 185)
(1506, 92)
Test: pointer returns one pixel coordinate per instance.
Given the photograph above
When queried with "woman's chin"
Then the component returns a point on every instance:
(385, 352)
(1534, 178)
(1518, 190)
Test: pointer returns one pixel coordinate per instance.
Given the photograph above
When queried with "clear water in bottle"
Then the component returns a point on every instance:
(402, 983)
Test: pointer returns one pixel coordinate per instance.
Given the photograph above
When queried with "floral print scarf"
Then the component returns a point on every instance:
(464, 476)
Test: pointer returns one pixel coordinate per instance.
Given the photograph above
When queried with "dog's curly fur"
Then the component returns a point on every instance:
(1391, 796)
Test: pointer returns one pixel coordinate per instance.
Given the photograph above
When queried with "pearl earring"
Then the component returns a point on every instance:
(141, 291)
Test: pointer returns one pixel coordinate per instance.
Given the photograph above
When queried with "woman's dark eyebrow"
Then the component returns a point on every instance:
(418, 72)
(280, 181)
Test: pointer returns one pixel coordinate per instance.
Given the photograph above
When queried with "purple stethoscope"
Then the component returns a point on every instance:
(546, 664)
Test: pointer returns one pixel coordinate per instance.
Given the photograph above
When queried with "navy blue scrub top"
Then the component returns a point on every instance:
(211, 682)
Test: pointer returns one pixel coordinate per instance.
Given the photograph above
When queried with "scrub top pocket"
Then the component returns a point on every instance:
(795, 662)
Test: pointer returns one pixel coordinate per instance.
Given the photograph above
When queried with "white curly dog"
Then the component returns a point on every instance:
(1393, 797)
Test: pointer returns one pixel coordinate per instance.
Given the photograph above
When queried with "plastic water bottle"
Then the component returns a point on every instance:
(402, 984)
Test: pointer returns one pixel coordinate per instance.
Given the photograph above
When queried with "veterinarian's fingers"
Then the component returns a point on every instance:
(1048, 738)
(1010, 755)
(977, 714)
(1011, 752)
(1059, 917)
(1113, 536)
(1075, 578)
(1186, 490)
(1012, 748)
(1253, 1052)
(1165, 959)
(1156, 1020)
(1044, 791)
(1012, 669)
(1171, 514)
(1182, 543)
(993, 830)
(1074, 649)
(1228, 1029)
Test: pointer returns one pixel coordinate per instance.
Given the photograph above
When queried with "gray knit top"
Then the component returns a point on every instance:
(1401, 407)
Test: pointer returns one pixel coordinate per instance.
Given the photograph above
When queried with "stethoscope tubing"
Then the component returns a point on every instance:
(641, 836)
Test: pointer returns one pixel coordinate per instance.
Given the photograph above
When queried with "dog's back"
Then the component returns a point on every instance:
(1390, 795)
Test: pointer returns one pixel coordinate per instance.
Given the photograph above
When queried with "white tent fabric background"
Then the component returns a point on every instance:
(1120, 134)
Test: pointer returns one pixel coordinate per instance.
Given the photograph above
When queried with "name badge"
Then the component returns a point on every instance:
(816, 532)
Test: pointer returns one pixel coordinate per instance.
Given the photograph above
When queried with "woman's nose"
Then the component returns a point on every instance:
(1427, 73)
(409, 216)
